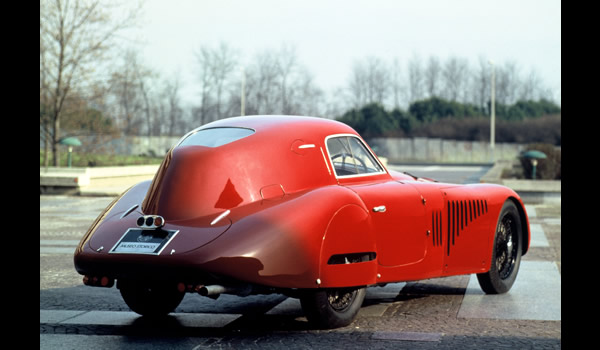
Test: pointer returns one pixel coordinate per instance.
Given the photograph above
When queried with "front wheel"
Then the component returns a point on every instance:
(332, 308)
(506, 254)
(150, 299)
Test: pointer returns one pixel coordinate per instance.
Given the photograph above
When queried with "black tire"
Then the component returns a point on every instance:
(332, 308)
(152, 300)
(506, 254)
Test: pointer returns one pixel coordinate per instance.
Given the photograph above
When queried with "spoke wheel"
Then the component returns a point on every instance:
(506, 254)
(506, 247)
(332, 308)
(341, 299)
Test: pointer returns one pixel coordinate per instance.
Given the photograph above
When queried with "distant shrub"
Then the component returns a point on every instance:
(546, 129)
(528, 109)
(370, 120)
(473, 129)
(434, 108)
(524, 122)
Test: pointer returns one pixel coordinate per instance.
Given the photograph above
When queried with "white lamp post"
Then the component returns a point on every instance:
(243, 96)
(493, 113)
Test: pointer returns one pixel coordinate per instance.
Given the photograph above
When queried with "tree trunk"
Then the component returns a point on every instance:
(55, 139)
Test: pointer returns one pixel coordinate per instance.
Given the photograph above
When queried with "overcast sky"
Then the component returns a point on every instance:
(329, 35)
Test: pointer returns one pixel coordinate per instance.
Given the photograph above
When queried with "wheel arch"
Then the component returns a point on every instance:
(348, 254)
(525, 232)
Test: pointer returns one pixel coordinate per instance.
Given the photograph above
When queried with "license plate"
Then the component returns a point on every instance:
(138, 241)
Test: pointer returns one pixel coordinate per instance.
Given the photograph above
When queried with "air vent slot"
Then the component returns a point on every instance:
(436, 227)
(460, 214)
(351, 258)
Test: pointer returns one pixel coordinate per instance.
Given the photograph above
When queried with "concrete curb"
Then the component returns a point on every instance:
(100, 181)
(531, 192)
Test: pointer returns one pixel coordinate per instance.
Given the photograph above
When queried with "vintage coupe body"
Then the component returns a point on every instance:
(299, 206)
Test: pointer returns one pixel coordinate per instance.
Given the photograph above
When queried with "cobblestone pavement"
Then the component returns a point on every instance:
(414, 315)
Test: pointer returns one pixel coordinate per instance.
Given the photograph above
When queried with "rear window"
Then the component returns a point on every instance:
(215, 137)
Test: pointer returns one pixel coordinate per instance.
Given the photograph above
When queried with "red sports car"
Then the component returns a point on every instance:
(299, 206)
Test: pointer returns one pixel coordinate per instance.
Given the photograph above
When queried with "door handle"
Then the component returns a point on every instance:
(379, 209)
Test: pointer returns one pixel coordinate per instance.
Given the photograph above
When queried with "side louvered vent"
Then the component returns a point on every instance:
(436, 227)
(460, 214)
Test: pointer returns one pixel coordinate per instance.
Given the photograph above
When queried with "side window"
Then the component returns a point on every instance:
(350, 157)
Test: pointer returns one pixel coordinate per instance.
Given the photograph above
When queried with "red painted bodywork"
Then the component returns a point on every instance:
(290, 214)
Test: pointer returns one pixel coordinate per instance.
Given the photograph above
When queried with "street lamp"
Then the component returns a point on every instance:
(70, 141)
(493, 113)
(533, 157)
(243, 94)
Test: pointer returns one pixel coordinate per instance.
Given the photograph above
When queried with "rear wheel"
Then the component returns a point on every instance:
(332, 308)
(506, 254)
(150, 299)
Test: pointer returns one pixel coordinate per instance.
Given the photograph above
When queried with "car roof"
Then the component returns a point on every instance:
(284, 155)
(296, 125)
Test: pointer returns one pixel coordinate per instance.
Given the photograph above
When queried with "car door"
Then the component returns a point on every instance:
(396, 209)
(397, 214)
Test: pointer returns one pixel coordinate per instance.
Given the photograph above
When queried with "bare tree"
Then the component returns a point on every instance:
(175, 112)
(480, 86)
(224, 64)
(335, 102)
(369, 82)
(432, 76)
(73, 35)
(356, 86)
(263, 75)
(507, 83)
(455, 77)
(415, 79)
(45, 103)
(277, 83)
(395, 83)
(128, 102)
(311, 97)
(378, 80)
(145, 80)
(203, 57)
(287, 64)
(531, 86)
(216, 67)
